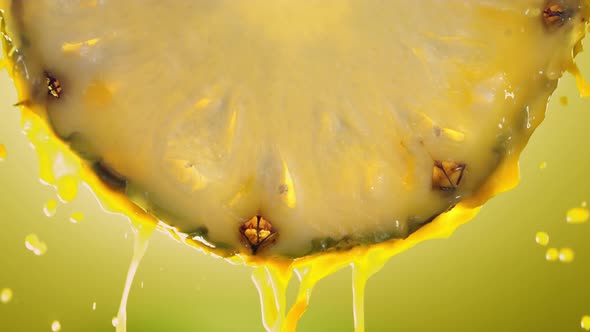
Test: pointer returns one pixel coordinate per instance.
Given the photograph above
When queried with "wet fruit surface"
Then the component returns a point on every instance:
(340, 124)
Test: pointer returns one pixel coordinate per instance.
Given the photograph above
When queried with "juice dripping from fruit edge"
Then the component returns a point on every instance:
(60, 168)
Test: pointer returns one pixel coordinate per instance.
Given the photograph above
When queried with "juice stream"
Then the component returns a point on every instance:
(142, 234)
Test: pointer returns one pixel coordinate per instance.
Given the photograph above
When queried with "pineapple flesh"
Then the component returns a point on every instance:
(289, 127)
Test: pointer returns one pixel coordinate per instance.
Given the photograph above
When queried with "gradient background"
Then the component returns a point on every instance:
(489, 276)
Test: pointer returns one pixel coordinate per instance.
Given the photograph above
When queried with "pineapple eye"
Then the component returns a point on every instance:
(54, 88)
(554, 14)
(258, 232)
(446, 175)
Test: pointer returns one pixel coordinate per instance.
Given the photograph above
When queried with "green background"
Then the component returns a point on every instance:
(489, 276)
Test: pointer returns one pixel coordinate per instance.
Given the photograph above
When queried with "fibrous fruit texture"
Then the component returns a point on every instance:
(290, 127)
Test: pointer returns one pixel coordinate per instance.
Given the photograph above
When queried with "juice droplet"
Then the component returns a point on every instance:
(552, 255)
(35, 245)
(542, 238)
(56, 326)
(586, 322)
(67, 188)
(6, 295)
(563, 100)
(76, 217)
(543, 165)
(50, 208)
(577, 215)
(566, 255)
(93, 306)
(2, 152)
(115, 321)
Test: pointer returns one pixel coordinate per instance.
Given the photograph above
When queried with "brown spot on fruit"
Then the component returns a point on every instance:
(258, 232)
(447, 175)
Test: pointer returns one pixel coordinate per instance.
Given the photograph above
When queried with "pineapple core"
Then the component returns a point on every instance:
(288, 127)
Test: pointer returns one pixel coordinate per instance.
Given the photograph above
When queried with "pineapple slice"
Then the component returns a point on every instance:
(288, 127)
